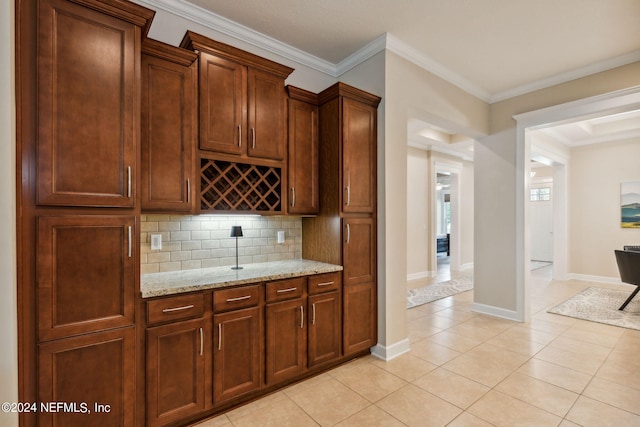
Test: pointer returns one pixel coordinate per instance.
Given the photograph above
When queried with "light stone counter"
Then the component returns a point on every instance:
(175, 282)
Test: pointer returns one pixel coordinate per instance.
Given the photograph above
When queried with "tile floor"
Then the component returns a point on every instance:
(466, 369)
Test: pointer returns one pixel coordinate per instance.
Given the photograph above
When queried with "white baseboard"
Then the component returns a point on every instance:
(466, 266)
(420, 275)
(387, 353)
(496, 312)
(598, 279)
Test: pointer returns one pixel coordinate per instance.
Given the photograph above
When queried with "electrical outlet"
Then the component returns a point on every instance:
(280, 237)
(156, 242)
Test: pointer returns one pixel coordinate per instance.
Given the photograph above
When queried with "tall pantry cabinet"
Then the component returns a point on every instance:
(78, 93)
(344, 232)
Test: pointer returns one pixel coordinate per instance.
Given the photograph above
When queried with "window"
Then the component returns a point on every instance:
(541, 194)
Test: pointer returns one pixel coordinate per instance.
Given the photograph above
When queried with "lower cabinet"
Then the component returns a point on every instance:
(324, 328)
(175, 370)
(359, 311)
(93, 374)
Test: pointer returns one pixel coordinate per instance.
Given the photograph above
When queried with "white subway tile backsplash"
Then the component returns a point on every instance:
(202, 241)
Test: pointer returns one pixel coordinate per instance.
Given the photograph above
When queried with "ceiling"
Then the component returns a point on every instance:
(494, 49)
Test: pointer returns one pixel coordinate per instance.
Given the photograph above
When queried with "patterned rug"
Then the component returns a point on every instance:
(426, 294)
(601, 305)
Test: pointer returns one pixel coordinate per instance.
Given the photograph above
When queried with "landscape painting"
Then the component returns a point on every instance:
(630, 204)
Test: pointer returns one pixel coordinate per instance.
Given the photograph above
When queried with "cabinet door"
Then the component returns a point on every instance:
(87, 371)
(324, 328)
(303, 158)
(223, 105)
(237, 360)
(169, 104)
(359, 157)
(85, 274)
(175, 371)
(266, 115)
(359, 251)
(359, 331)
(286, 340)
(87, 114)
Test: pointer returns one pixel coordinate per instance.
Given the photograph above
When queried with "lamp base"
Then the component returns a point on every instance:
(236, 268)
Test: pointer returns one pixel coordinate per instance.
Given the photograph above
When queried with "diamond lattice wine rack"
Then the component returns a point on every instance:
(230, 186)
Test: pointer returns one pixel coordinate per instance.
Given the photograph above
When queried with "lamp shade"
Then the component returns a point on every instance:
(236, 231)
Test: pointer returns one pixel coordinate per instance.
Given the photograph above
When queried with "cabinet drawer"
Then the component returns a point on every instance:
(175, 308)
(235, 298)
(324, 282)
(285, 289)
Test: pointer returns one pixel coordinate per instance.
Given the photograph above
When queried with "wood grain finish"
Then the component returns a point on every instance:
(359, 250)
(93, 368)
(359, 308)
(286, 340)
(85, 268)
(169, 129)
(282, 290)
(175, 308)
(235, 298)
(267, 115)
(325, 328)
(87, 110)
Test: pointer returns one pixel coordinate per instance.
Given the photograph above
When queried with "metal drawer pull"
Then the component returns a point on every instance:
(301, 317)
(239, 298)
(348, 233)
(239, 136)
(219, 336)
(325, 284)
(293, 197)
(282, 291)
(129, 181)
(130, 244)
(188, 190)
(201, 342)
(170, 310)
(253, 138)
(313, 316)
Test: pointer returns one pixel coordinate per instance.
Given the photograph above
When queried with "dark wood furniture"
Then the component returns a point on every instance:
(629, 268)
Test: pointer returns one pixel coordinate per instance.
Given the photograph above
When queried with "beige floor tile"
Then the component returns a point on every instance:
(621, 373)
(283, 414)
(454, 341)
(432, 352)
(455, 314)
(478, 369)
(560, 376)
(526, 333)
(472, 331)
(329, 402)
(308, 383)
(507, 358)
(519, 345)
(491, 323)
(595, 333)
(582, 347)
(452, 387)
(581, 362)
(614, 394)
(626, 356)
(219, 421)
(368, 380)
(591, 413)
(502, 410)
(370, 417)
(257, 406)
(467, 420)
(547, 326)
(416, 407)
(567, 423)
(538, 393)
(407, 366)
(421, 328)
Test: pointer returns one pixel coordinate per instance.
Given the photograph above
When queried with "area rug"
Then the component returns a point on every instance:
(426, 294)
(601, 305)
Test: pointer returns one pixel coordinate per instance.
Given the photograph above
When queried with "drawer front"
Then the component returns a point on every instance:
(175, 308)
(235, 298)
(286, 289)
(324, 282)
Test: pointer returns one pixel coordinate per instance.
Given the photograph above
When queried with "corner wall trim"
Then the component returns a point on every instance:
(387, 353)
(491, 310)
(420, 275)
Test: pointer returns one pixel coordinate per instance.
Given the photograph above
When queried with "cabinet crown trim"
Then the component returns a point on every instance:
(346, 91)
(302, 95)
(125, 10)
(196, 42)
(170, 53)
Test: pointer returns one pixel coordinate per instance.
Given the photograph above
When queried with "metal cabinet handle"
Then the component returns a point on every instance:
(313, 315)
(253, 138)
(188, 190)
(283, 291)
(129, 181)
(239, 136)
(219, 336)
(301, 317)
(348, 234)
(239, 298)
(201, 342)
(348, 188)
(293, 197)
(130, 245)
(325, 284)
(170, 310)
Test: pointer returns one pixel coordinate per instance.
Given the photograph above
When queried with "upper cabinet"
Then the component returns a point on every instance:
(168, 127)
(87, 92)
(242, 101)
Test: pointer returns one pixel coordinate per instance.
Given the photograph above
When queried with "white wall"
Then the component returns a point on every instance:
(594, 205)
(8, 303)
(418, 173)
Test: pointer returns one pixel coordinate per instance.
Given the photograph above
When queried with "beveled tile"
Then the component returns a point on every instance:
(371, 416)
(560, 376)
(452, 387)
(614, 394)
(407, 366)
(416, 407)
(368, 380)
(502, 410)
(588, 412)
(538, 393)
(332, 394)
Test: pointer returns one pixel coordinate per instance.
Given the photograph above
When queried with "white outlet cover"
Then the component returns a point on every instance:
(156, 242)
(280, 236)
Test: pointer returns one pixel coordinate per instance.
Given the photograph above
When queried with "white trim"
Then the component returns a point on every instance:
(466, 266)
(597, 279)
(387, 353)
(496, 312)
(367, 51)
(420, 275)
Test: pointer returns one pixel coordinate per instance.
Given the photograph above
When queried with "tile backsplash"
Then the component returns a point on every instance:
(201, 241)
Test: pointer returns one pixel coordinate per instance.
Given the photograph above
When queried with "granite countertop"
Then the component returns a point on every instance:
(175, 282)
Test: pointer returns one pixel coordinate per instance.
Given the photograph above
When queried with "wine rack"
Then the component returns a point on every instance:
(230, 186)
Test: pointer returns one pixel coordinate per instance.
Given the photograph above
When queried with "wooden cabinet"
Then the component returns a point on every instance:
(85, 279)
(237, 343)
(242, 100)
(303, 152)
(169, 128)
(325, 319)
(359, 251)
(96, 370)
(87, 117)
(359, 317)
(175, 367)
